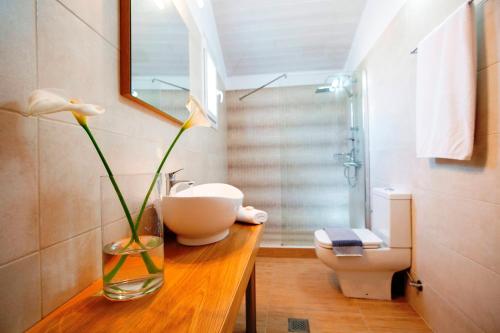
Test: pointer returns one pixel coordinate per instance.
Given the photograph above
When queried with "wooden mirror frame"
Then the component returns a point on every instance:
(126, 62)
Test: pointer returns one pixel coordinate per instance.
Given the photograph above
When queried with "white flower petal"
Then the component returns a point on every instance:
(45, 101)
(197, 116)
(86, 109)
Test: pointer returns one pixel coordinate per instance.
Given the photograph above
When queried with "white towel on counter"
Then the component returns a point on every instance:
(251, 215)
(446, 88)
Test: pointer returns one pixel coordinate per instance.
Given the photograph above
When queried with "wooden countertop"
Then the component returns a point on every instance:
(203, 290)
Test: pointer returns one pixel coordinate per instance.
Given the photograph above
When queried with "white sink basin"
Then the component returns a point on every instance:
(202, 214)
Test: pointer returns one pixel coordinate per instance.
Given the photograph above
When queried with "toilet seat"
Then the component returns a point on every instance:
(367, 237)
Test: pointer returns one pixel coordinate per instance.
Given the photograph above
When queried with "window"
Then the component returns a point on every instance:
(211, 91)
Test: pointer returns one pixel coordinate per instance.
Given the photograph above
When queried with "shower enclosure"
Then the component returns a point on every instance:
(298, 152)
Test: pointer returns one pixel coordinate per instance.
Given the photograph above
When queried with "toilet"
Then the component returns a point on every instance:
(386, 248)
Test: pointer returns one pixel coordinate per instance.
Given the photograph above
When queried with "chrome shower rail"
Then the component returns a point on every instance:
(170, 84)
(262, 87)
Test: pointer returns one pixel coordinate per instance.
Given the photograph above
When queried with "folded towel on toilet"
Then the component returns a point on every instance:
(345, 242)
(251, 215)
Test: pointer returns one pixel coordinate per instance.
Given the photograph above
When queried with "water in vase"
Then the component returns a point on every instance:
(132, 269)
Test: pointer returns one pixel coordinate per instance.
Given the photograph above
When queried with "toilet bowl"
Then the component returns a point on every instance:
(386, 248)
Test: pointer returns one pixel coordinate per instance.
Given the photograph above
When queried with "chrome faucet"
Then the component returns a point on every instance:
(172, 181)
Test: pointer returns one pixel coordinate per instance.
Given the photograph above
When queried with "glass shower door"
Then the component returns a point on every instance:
(322, 169)
(298, 155)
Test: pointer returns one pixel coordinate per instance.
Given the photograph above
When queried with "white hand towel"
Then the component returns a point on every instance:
(251, 215)
(446, 88)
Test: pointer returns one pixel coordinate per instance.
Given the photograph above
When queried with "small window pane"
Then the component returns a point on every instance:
(211, 88)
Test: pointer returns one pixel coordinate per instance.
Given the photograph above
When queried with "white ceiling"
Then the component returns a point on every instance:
(274, 36)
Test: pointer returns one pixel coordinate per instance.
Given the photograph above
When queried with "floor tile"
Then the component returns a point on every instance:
(305, 288)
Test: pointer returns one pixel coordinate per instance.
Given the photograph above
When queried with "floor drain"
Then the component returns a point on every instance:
(298, 325)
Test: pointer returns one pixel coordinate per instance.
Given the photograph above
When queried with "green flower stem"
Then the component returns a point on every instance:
(113, 181)
(155, 178)
(108, 277)
(145, 256)
(149, 262)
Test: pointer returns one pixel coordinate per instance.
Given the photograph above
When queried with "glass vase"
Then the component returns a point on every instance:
(132, 236)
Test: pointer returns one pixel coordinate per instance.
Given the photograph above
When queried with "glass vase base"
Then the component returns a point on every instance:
(133, 289)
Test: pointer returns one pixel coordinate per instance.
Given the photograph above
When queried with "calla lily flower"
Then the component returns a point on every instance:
(197, 116)
(45, 101)
(51, 101)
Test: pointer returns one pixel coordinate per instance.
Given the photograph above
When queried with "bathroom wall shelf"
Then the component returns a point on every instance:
(203, 291)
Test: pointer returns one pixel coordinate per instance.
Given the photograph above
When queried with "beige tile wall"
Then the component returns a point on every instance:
(49, 173)
(456, 205)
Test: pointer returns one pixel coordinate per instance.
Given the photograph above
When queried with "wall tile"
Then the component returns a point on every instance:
(74, 58)
(69, 267)
(463, 225)
(396, 167)
(217, 168)
(18, 53)
(475, 179)
(488, 32)
(69, 182)
(470, 287)
(101, 15)
(192, 169)
(19, 183)
(20, 295)
(488, 103)
(439, 314)
(129, 155)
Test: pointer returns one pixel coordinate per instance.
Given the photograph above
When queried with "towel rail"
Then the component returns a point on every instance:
(415, 50)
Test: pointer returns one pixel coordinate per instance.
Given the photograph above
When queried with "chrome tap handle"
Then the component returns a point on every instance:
(171, 175)
(171, 180)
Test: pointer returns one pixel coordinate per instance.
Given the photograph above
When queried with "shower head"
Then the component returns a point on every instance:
(329, 89)
(340, 82)
(323, 89)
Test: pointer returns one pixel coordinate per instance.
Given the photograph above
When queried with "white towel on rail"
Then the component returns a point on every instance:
(446, 88)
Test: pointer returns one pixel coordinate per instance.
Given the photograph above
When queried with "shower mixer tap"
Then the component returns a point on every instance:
(351, 164)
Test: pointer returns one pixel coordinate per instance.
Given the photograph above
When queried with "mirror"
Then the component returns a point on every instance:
(154, 42)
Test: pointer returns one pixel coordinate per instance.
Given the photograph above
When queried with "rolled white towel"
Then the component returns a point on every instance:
(251, 215)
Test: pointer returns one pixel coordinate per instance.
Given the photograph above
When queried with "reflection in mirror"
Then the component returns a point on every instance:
(160, 56)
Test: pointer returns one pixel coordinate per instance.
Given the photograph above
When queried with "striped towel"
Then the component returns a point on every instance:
(345, 242)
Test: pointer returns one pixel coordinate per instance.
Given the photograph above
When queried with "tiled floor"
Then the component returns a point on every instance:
(305, 288)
